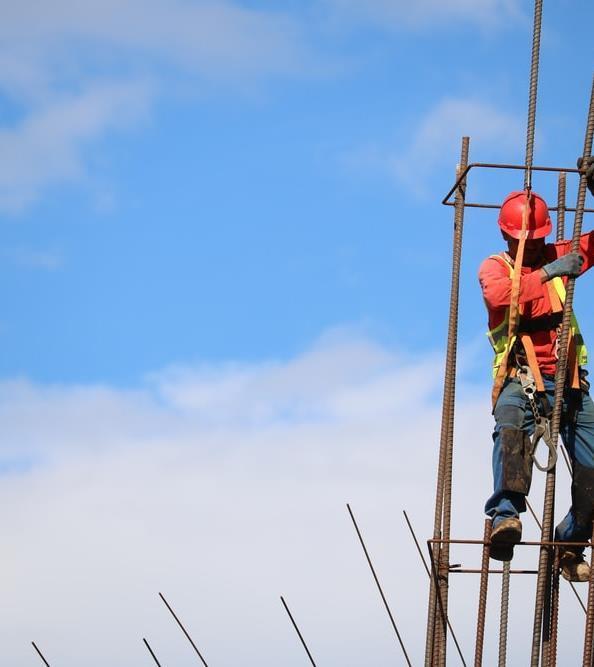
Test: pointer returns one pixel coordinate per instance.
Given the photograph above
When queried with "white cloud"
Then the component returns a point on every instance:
(75, 70)
(225, 487)
(398, 14)
(433, 140)
(47, 147)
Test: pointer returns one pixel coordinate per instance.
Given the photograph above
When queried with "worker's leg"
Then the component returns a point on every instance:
(512, 465)
(578, 436)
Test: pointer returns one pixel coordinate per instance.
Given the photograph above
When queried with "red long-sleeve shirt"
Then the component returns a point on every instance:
(534, 295)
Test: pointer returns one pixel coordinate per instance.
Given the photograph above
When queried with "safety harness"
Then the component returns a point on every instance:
(514, 344)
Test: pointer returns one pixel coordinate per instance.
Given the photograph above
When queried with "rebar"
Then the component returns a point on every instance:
(480, 623)
(183, 629)
(45, 662)
(544, 568)
(561, 202)
(150, 650)
(504, 614)
(297, 631)
(577, 595)
(552, 654)
(589, 630)
(377, 583)
(532, 94)
(436, 636)
(412, 532)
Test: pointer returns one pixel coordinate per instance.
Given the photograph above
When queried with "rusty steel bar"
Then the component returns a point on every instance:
(560, 374)
(532, 94)
(436, 636)
(183, 629)
(412, 532)
(561, 202)
(495, 165)
(529, 543)
(470, 204)
(476, 571)
(480, 623)
(589, 630)
(504, 615)
(297, 631)
(150, 650)
(40, 654)
(552, 654)
(577, 595)
(379, 587)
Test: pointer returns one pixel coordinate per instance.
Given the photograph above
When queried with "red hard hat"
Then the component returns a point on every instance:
(512, 210)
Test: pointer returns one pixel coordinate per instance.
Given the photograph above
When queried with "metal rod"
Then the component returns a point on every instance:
(589, 631)
(470, 204)
(183, 629)
(412, 532)
(561, 201)
(377, 583)
(532, 94)
(150, 650)
(552, 656)
(297, 631)
(494, 165)
(45, 662)
(477, 571)
(504, 614)
(436, 635)
(544, 568)
(529, 543)
(480, 623)
(577, 595)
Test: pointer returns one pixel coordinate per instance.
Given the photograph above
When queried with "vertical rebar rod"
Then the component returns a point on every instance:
(504, 615)
(435, 645)
(544, 565)
(561, 204)
(297, 631)
(183, 629)
(150, 650)
(589, 630)
(40, 654)
(379, 587)
(572, 585)
(532, 94)
(552, 656)
(482, 608)
(416, 541)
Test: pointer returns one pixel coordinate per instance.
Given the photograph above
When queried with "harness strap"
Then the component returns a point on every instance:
(532, 361)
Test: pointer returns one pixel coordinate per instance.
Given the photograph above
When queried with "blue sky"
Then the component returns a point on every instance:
(225, 280)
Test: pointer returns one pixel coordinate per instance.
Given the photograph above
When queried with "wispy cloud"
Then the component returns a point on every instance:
(399, 15)
(76, 71)
(31, 258)
(434, 138)
(224, 486)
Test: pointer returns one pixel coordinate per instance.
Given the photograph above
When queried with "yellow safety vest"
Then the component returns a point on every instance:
(502, 344)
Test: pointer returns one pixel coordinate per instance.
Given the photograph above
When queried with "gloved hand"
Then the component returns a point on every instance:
(589, 171)
(568, 265)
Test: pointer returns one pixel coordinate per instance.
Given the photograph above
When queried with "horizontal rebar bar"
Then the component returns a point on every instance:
(479, 571)
(543, 543)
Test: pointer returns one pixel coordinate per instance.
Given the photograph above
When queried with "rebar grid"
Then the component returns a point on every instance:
(436, 637)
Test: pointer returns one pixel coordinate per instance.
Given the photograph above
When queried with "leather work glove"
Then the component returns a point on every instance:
(568, 265)
(589, 166)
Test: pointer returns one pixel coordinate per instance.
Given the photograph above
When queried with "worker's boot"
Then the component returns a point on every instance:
(506, 534)
(574, 566)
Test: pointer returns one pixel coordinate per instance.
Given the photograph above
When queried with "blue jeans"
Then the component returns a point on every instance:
(512, 411)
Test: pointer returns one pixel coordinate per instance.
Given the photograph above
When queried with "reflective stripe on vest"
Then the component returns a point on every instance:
(498, 336)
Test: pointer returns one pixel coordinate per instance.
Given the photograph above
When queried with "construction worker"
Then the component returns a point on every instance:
(526, 367)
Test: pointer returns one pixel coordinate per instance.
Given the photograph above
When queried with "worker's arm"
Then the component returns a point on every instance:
(586, 250)
(496, 284)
